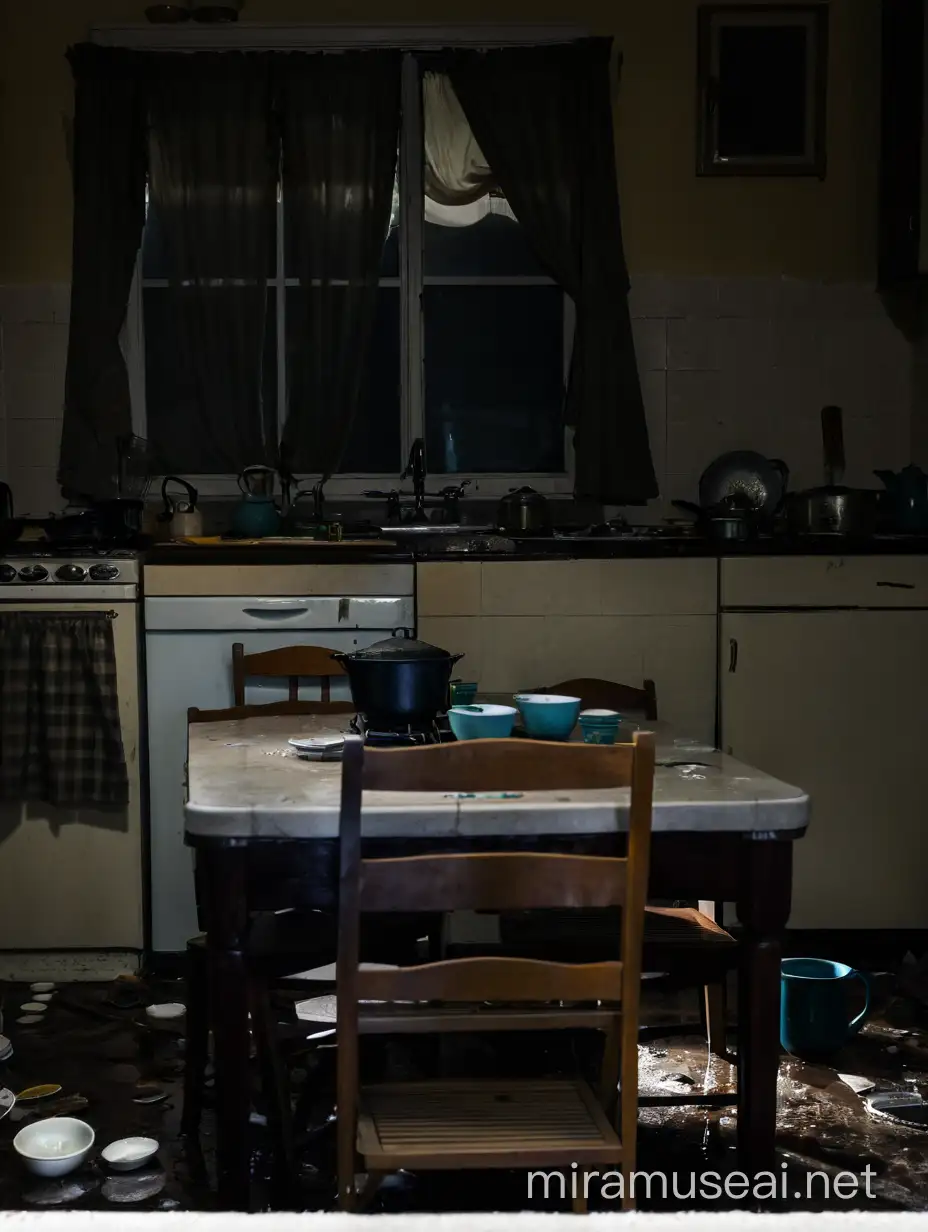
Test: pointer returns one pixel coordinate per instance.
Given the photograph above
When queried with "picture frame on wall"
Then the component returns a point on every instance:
(762, 83)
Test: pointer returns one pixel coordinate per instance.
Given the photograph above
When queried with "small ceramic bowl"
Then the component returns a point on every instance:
(600, 726)
(481, 721)
(548, 716)
(54, 1147)
(127, 1154)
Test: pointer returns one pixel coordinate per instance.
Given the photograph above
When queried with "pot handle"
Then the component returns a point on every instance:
(402, 632)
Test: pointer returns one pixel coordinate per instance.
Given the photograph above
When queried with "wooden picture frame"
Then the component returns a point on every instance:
(762, 81)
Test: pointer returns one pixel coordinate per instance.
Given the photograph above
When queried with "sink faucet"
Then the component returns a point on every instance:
(415, 469)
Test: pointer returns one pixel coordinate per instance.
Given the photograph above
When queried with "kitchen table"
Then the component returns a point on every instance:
(264, 825)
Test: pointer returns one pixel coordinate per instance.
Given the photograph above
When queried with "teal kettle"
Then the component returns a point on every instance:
(256, 514)
(908, 494)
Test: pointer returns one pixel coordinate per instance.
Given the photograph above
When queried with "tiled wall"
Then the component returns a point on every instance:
(748, 363)
(725, 364)
(33, 350)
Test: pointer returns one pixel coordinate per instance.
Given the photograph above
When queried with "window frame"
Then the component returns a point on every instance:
(412, 39)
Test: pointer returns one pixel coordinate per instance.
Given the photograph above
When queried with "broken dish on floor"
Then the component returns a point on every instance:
(32, 1094)
(127, 1154)
(6, 1048)
(7, 1101)
(34, 1007)
(42, 986)
(318, 748)
(166, 1010)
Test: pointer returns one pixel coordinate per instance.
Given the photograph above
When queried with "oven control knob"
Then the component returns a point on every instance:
(33, 573)
(71, 573)
(7, 573)
(104, 573)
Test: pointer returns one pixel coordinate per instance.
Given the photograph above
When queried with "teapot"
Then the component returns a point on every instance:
(256, 514)
(908, 493)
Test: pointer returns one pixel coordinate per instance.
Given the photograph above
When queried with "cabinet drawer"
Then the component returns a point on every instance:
(824, 581)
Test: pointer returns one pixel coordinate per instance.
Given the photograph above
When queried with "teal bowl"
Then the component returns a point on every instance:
(548, 716)
(600, 726)
(481, 722)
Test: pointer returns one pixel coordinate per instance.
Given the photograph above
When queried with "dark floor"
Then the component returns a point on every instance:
(105, 1058)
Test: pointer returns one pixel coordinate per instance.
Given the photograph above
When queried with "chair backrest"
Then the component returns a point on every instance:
(607, 695)
(292, 662)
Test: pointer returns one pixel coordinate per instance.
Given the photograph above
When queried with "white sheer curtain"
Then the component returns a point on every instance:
(460, 188)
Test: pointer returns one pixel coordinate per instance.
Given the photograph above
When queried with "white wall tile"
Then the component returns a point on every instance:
(36, 491)
(34, 392)
(650, 334)
(35, 347)
(28, 303)
(692, 342)
(33, 442)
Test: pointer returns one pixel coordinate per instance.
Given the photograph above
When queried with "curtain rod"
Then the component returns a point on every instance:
(257, 36)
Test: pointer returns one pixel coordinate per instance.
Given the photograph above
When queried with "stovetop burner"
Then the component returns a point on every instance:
(381, 735)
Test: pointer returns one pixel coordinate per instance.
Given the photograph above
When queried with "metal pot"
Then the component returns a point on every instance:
(725, 521)
(832, 510)
(399, 680)
(523, 512)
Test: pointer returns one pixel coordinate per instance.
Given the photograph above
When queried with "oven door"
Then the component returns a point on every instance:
(72, 878)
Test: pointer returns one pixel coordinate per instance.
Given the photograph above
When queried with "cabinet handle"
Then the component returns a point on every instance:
(897, 585)
(732, 654)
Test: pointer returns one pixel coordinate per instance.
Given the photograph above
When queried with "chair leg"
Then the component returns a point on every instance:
(579, 1204)
(715, 1020)
(609, 1071)
(277, 1093)
(196, 1051)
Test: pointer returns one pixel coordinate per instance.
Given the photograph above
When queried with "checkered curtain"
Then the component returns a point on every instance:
(60, 737)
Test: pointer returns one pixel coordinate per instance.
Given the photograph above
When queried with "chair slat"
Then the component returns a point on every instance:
(494, 979)
(291, 662)
(492, 882)
(499, 766)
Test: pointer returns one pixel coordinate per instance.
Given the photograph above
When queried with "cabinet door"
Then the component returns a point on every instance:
(834, 702)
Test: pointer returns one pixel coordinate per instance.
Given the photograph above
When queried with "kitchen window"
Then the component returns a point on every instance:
(470, 347)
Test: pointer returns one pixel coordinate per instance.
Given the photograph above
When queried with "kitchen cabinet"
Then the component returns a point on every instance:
(523, 624)
(829, 695)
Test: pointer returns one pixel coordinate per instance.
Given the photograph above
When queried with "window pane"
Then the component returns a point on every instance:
(156, 261)
(494, 378)
(170, 389)
(374, 444)
(496, 245)
(390, 261)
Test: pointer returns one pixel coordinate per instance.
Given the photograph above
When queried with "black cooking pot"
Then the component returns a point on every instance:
(399, 680)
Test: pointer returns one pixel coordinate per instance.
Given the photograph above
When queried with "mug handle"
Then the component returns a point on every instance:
(856, 1023)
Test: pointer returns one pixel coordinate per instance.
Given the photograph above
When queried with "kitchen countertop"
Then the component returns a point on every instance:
(245, 781)
(308, 551)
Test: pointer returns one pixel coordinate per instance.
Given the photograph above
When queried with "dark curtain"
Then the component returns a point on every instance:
(213, 186)
(340, 129)
(543, 118)
(109, 213)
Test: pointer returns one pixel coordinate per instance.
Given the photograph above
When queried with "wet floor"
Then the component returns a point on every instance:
(123, 1075)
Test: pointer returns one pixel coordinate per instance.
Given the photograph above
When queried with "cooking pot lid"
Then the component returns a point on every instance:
(401, 648)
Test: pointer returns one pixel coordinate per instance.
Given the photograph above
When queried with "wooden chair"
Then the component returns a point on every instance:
(277, 943)
(682, 941)
(441, 1125)
(607, 695)
(292, 662)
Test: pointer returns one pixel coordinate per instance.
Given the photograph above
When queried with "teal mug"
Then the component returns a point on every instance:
(814, 1018)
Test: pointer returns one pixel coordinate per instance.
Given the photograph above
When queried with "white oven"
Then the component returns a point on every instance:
(72, 878)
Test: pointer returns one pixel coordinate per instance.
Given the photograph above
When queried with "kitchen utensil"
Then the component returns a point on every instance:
(600, 726)
(548, 716)
(726, 521)
(463, 692)
(127, 1154)
(832, 509)
(481, 721)
(814, 1020)
(908, 494)
(256, 515)
(118, 521)
(399, 679)
(523, 511)
(135, 467)
(180, 518)
(758, 480)
(54, 1147)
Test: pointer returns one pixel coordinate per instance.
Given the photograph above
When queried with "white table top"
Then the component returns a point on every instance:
(245, 781)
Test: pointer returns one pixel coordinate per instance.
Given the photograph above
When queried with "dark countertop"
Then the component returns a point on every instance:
(310, 553)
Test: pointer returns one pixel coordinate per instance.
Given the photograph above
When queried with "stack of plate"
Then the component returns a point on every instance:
(319, 748)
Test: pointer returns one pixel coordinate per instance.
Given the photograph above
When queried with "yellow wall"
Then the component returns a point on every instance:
(674, 222)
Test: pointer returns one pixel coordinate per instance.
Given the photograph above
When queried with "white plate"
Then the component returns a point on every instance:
(166, 1010)
(317, 744)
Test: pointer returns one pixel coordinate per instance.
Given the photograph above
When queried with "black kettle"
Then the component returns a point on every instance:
(523, 511)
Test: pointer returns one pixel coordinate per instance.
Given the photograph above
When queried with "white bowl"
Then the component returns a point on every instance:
(126, 1154)
(54, 1147)
(166, 1010)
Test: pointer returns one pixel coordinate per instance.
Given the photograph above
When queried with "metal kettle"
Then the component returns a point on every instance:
(523, 511)
(180, 518)
(908, 492)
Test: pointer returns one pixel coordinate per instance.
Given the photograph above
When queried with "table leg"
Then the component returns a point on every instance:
(223, 884)
(765, 877)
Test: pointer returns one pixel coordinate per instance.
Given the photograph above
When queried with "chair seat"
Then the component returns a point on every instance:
(483, 1125)
(675, 938)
